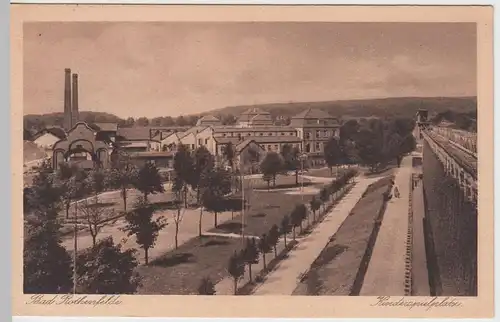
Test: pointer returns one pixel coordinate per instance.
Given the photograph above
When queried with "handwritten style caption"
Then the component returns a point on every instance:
(433, 302)
(69, 299)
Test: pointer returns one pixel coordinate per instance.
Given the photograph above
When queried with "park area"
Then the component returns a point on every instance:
(178, 270)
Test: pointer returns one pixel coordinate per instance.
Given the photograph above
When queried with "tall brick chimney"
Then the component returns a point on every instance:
(67, 99)
(74, 109)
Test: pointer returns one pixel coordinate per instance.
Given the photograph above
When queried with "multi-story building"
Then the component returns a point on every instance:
(315, 127)
(255, 117)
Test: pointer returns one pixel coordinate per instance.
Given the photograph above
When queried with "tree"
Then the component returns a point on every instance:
(273, 238)
(369, 146)
(292, 162)
(206, 287)
(285, 226)
(106, 269)
(183, 169)
(315, 205)
(46, 263)
(95, 216)
(148, 180)
(123, 178)
(229, 153)
(64, 173)
(267, 178)
(217, 185)
(298, 215)
(272, 165)
(236, 268)
(203, 163)
(97, 181)
(142, 121)
(179, 214)
(264, 248)
(324, 197)
(141, 224)
(250, 255)
(333, 154)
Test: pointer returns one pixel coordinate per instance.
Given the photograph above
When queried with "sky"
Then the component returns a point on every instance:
(177, 68)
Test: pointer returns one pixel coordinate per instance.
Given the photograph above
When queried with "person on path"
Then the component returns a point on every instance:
(396, 192)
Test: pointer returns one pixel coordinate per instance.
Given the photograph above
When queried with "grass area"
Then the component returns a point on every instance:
(323, 172)
(179, 272)
(335, 271)
(266, 209)
(282, 181)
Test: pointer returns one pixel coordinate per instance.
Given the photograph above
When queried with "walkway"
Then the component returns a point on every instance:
(283, 280)
(386, 270)
(420, 274)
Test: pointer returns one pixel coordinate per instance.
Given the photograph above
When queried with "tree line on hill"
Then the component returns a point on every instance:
(404, 107)
(465, 121)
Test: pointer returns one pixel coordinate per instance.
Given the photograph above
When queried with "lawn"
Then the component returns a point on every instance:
(282, 182)
(340, 267)
(325, 172)
(179, 272)
(266, 209)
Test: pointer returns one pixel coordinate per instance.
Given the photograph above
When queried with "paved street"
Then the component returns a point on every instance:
(283, 280)
(385, 274)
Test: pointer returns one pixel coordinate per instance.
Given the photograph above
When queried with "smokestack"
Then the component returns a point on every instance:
(74, 110)
(67, 99)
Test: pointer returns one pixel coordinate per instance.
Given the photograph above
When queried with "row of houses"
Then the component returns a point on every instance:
(308, 131)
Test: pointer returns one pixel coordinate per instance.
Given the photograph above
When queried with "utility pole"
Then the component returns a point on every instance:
(75, 247)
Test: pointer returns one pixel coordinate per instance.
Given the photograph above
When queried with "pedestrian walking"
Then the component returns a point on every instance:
(396, 192)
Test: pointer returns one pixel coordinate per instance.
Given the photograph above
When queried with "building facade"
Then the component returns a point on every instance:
(315, 127)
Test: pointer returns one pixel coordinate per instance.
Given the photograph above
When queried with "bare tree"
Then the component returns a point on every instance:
(95, 216)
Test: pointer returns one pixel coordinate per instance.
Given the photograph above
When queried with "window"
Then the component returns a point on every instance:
(261, 134)
(308, 147)
(317, 146)
(327, 133)
(223, 134)
(282, 133)
(318, 134)
(200, 141)
(308, 135)
(269, 147)
(291, 133)
(276, 147)
(206, 141)
(192, 146)
(249, 134)
(270, 134)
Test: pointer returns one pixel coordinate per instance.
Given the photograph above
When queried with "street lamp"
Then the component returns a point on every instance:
(302, 158)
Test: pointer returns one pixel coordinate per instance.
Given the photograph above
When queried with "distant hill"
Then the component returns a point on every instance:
(40, 121)
(368, 108)
(395, 106)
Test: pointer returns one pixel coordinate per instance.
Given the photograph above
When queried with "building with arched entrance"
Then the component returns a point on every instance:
(80, 147)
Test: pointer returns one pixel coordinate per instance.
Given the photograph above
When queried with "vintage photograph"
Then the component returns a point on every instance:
(298, 158)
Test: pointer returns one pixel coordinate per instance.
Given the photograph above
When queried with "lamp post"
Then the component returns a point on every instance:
(302, 157)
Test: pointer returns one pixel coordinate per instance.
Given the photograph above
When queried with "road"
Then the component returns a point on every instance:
(386, 269)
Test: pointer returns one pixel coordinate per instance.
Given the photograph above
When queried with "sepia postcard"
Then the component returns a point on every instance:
(252, 161)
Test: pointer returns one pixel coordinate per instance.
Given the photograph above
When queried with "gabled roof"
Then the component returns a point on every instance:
(271, 128)
(240, 146)
(261, 117)
(207, 119)
(108, 127)
(56, 131)
(313, 113)
(134, 133)
(251, 112)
